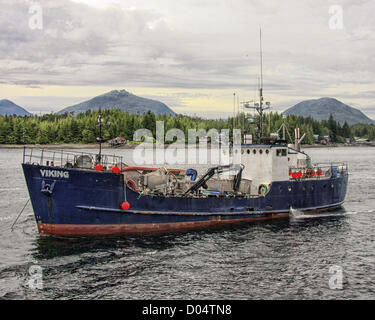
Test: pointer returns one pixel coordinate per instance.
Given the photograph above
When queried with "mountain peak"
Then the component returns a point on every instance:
(8, 107)
(117, 93)
(123, 100)
(321, 109)
(4, 102)
(328, 99)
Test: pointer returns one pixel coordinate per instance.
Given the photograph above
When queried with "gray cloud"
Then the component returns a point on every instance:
(190, 44)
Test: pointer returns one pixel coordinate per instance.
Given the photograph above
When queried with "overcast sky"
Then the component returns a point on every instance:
(191, 54)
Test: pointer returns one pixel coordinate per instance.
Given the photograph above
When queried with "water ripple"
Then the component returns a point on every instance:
(288, 259)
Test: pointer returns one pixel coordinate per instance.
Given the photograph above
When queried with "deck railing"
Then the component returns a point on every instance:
(319, 171)
(70, 159)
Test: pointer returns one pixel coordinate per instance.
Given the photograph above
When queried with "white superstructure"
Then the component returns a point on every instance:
(264, 164)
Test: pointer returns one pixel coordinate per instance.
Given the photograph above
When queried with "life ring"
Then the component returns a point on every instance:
(131, 184)
(263, 189)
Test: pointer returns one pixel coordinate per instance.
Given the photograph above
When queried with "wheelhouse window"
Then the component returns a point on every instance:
(281, 152)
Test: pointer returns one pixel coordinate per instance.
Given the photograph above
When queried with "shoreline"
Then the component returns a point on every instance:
(64, 146)
(106, 146)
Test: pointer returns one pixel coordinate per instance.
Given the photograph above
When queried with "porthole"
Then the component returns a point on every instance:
(260, 151)
(332, 186)
(248, 151)
(254, 151)
(289, 188)
(312, 188)
(242, 151)
(324, 186)
(267, 151)
(304, 188)
(281, 189)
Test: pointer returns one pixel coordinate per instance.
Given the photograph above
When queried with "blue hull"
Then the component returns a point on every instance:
(86, 202)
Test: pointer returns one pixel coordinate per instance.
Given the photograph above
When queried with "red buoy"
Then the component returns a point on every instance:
(125, 205)
(115, 170)
(99, 167)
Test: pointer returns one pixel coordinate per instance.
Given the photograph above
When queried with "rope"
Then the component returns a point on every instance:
(11, 228)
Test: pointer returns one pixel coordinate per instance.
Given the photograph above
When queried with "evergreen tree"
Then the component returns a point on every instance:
(53, 128)
(346, 130)
(149, 122)
(332, 126)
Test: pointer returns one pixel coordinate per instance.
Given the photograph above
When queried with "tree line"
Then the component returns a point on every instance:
(83, 128)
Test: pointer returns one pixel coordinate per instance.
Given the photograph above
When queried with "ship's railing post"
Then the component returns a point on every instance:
(41, 158)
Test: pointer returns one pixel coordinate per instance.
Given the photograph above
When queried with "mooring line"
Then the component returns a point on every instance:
(11, 228)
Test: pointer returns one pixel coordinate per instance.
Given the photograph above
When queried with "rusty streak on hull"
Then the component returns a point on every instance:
(150, 228)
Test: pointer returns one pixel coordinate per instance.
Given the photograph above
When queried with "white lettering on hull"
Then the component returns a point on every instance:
(54, 174)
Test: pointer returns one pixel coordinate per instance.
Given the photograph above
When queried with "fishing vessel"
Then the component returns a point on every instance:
(70, 195)
(93, 194)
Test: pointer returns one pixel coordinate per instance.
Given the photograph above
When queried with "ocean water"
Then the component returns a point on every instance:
(320, 256)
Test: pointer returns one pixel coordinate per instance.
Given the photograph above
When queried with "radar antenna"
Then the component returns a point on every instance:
(260, 106)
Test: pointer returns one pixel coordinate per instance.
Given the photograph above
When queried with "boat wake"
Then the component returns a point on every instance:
(297, 214)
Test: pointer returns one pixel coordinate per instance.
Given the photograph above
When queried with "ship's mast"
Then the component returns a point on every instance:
(261, 86)
(259, 107)
(99, 139)
(100, 124)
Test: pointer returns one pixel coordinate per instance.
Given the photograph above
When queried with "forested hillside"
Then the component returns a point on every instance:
(66, 128)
